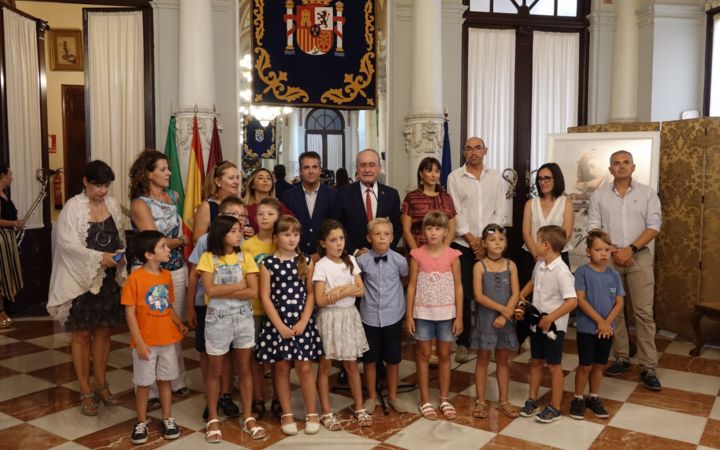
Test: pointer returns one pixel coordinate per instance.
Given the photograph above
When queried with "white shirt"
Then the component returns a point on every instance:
(478, 202)
(552, 284)
(625, 218)
(373, 196)
(556, 216)
(311, 198)
(334, 275)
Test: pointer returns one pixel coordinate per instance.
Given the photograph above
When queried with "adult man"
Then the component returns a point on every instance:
(630, 213)
(360, 202)
(310, 201)
(479, 198)
(281, 185)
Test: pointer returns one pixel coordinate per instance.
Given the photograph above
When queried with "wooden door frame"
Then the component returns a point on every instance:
(63, 88)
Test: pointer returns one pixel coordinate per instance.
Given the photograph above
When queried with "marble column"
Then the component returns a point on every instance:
(602, 28)
(424, 123)
(196, 73)
(626, 45)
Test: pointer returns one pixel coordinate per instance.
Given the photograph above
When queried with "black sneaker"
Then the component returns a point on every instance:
(577, 409)
(549, 414)
(182, 392)
(275, 408)
(169, 428)
(619, 367)
(594, 404)
(531, 405)
(650, 380)
(205, 414)
(140, 433)
(153, 403)
(227, 406)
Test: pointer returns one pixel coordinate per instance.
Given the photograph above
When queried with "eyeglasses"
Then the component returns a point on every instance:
(371, 165)
(544, 179)
(475, 149)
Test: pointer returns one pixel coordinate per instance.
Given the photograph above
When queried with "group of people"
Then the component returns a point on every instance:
(315, 277)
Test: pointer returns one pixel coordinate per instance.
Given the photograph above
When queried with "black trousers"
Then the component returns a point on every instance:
(467, 262)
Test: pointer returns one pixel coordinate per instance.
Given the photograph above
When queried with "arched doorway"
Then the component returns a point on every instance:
(325, 134)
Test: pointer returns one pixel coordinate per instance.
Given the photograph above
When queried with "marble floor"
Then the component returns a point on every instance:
(39, 405)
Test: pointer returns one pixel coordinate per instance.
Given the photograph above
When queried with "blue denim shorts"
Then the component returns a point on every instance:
(232, 325)
(426, 330)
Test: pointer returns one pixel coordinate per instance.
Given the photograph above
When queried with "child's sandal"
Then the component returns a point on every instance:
(311, 427)
(448, 410)
(213, 436)
(508, 409)
(480, 409)
(364, 419)
(257, 432)
(330, 422)
(289, 429)
(428, 412)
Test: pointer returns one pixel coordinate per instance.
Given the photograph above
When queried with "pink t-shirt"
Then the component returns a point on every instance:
(435, 292)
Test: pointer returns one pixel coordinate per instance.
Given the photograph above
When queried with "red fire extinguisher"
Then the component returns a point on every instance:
(57, 189)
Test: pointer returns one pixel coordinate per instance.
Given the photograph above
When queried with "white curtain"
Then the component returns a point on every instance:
(715, 69)
(334, 151)
(491, 93)
(554, 89)
(116, 85)
(23, 103)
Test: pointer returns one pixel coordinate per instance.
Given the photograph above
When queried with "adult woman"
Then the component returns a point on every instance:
(86, 278)
(224, 182)
(341, 178)
(153, 207)
(550, 207)
(10, 272)
(261, 184)
(429, 196)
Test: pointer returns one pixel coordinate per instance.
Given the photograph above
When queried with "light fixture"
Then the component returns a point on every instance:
(264, 114)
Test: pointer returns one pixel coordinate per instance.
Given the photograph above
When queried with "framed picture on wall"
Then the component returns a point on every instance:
(66, 51)
(585, 160)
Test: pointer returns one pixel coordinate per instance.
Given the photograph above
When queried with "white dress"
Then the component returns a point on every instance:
(555, 217)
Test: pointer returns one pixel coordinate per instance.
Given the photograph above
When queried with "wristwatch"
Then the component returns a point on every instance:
(634, 248)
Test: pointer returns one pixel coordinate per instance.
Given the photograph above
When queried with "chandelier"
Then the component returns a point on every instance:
(264, 114)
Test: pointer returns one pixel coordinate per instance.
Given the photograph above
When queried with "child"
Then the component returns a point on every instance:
(382, 310)
(156, 331)
(230, 280)
(553, 289)
(261, 246)
(496, 288)
(600, 299)
(289, 333)
(434, 308)
(337, 283)
(197, 310)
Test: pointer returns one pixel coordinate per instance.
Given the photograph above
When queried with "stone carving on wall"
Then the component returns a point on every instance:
(185, 127)
(423, 138)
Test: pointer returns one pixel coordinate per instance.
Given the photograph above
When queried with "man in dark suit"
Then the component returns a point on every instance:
(364, 200)
(281, 185)
(310, 201)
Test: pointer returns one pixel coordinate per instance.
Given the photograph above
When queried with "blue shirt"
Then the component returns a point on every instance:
(200, 248)
(600, 289)
(384, 301)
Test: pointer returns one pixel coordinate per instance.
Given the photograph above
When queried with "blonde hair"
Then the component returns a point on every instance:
(210, 188)
(378, 221)
(435, 219)
(249, 197)
(554, 235)
(289, 223)
(596, 234)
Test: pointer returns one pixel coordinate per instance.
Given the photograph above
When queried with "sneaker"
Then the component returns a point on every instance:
(169, 428)
(461, 355)
(275, 408)
(205, 414)
(182, 392)
(619, 367)
(227, 406)
(650, 380)
(140, 433)
(577, 409)
(594, 404)
(549, 414)
(531, 405)
(153, 403)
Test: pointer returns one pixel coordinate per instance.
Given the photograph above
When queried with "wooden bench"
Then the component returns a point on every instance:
(709, 310)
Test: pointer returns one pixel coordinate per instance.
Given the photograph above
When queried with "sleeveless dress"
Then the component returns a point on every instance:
(556, 216)
(11, 280)
(496, 285)
(103, 309)
(167, 221)
(288, 294)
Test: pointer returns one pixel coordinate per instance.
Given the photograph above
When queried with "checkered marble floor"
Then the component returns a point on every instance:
(39, 401)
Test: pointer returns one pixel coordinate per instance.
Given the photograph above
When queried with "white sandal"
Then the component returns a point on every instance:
(212, 436)
(311, 427)
(257, 432)
(289, 429)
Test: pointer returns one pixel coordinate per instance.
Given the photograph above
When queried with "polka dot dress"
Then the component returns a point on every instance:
(287, 291)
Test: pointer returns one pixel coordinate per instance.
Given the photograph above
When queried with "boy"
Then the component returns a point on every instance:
(155, 328)
(553, 289)
(196, 308)
(600, 299)
(382, 310)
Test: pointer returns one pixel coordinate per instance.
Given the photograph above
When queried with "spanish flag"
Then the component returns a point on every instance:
(193, 188)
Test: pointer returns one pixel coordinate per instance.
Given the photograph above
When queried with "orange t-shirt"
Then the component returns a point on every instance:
(153, 296)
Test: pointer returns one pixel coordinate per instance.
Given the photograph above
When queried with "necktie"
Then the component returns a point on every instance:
(368, 205)
(380, 258)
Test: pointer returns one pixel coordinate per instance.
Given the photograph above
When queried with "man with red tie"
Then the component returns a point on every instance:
(360, 202)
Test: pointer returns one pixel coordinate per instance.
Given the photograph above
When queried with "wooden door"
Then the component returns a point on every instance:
(73, 102)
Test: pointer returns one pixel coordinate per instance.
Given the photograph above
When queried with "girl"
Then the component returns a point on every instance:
(337, 283)
(434, 306)
(496, 288)
(230, 278)
(260, 185)
(261, 246)
(289, 333)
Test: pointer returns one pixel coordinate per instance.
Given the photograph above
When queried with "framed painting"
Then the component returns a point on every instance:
(585, 160)
(66, 50)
